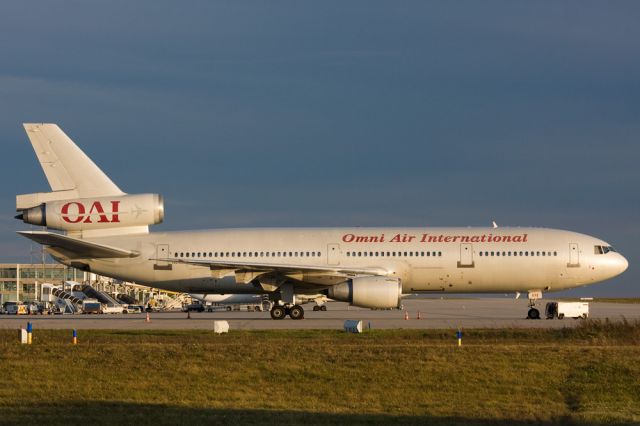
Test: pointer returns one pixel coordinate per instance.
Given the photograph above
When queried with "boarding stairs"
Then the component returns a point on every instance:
(100, 296)
(67, 303)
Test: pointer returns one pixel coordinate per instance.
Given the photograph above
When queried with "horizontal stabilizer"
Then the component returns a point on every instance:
(80, 249)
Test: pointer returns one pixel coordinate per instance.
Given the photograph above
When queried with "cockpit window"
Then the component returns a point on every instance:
(603, 249)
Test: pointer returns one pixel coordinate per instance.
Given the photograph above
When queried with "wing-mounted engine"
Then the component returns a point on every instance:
(97, 213)
(368, 292)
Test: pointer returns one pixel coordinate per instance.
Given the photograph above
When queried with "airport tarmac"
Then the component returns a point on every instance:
(434, 313)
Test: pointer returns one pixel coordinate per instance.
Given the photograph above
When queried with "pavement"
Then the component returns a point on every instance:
(434, 314)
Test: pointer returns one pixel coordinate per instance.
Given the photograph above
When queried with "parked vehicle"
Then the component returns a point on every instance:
(91, 306)
(561, 310)
(194, 307)
(132, 309)
(116, 309)
(17, 308)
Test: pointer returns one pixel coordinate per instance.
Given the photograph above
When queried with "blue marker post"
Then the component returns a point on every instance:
(29, 333)
(75, 337)
(459, 337)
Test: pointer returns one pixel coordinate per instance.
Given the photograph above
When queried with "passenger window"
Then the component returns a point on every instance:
(439, 253)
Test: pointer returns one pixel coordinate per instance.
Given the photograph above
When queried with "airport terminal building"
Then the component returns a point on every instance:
(20, 281)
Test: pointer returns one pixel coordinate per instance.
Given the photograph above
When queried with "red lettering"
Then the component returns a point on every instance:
(115, 206)
(96, 207)
(347, 238)
(65, 212)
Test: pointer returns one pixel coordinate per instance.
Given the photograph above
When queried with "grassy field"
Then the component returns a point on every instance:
(583, 376)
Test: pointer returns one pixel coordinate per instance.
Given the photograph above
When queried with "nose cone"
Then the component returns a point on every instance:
(623, 264)
(617, 264)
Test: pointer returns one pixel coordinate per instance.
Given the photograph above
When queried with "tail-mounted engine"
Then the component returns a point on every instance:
(97, 213)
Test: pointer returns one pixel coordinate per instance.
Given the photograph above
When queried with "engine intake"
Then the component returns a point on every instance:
(368, 292)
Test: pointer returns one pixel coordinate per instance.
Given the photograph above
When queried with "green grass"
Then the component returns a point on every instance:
(584, 375)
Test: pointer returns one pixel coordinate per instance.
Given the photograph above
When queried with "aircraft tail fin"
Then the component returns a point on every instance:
(66, 167)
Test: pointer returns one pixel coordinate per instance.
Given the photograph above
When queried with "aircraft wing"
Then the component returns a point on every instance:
(76, 248)
(247, 271)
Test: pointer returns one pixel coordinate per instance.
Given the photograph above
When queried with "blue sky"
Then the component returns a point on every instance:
(338, 113)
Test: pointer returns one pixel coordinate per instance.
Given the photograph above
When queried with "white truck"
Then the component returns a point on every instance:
(561, 310)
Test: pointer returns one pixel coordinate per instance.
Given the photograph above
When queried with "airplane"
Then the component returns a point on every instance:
(106, 231)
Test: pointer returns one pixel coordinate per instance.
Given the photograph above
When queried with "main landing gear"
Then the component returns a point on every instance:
(279, 312)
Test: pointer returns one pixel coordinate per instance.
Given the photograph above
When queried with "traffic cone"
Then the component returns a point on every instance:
(419, 316)
(147, 319)
(406, 315)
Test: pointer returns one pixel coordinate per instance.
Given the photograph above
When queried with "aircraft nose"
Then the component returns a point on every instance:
(623, 264)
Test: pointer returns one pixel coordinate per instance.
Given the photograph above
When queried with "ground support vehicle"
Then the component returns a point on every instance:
(561, 310)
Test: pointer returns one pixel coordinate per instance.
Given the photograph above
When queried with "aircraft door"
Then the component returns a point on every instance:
(162, 252)
(574, 256)
(466, 256)
(333, 254)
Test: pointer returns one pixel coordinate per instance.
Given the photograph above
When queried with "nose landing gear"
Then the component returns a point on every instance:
(534, 313)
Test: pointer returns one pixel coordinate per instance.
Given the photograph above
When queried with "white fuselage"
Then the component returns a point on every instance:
(456, 260)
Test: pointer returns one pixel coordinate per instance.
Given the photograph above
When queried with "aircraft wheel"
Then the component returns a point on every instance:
(278, 312)
(316, 308)
(560, 316)
(533, 314)
(323, 308)
(296, 312)
(228, 308)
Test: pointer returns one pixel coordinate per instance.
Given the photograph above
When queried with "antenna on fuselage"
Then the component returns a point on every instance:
(495, 225)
